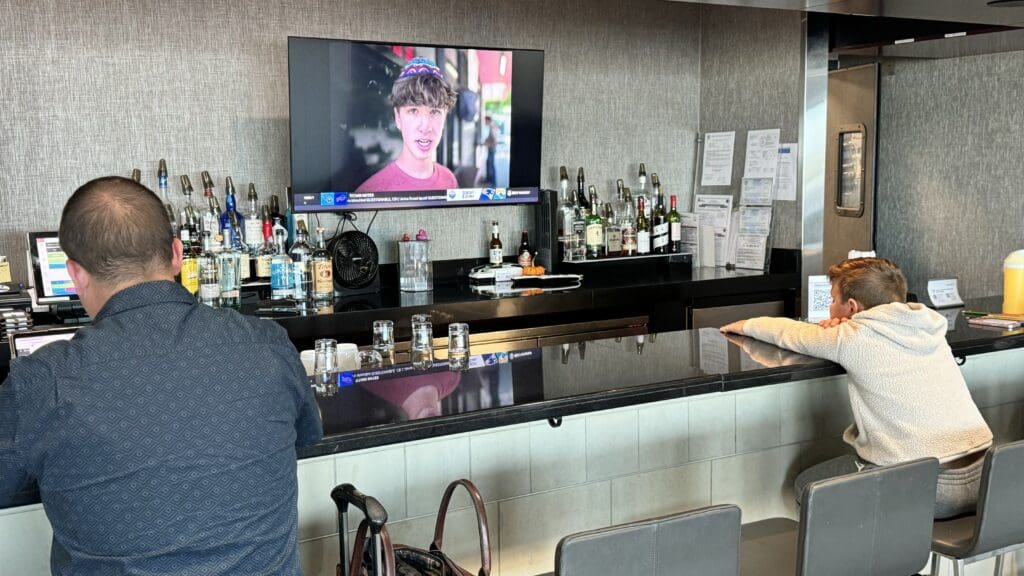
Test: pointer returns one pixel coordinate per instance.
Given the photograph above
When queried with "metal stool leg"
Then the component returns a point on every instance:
(959, 567)
(999, 564)
(935, 564)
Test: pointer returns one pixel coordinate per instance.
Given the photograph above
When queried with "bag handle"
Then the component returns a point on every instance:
(481, 522)
(387, 552)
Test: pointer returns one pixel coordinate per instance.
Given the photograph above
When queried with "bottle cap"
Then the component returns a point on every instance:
(563, 174)
(186, 185)
(136, 174)
(579, 175)
(643, 171)
(229, 186)
(654, 180)
(252, 191)
(207, 181)
(161, 172)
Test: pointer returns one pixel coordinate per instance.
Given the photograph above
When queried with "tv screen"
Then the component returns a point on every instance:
(380, 126)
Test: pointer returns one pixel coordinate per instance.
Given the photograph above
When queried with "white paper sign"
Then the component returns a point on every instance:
(718, 152)
(730, 245)
(714, 210)
(756, 220)
(785, 179)
(943, 293)
(750, 251)
(690, 237)
(819, 298)
(706, 248)
(714, 351)
(762, 159)
(756, 192)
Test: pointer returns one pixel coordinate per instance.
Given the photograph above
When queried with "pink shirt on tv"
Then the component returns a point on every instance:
(392, 179)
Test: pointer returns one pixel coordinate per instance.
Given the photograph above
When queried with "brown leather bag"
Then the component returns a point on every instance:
(401, 560)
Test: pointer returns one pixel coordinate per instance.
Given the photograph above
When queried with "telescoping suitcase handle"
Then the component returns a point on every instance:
(481, 523)
(375, 518)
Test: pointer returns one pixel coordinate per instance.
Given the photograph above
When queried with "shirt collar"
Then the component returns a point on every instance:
(145, 294)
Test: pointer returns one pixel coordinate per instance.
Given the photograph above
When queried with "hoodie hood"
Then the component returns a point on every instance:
(912, 326)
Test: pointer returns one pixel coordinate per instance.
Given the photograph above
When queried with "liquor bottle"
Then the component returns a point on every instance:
(302, 274)
(189, 276)
(628, 224)
(231, 219)
(253, 223)
(675, 228)
(229, 273)
(161, 182)
(495, 252)
(643, 231)
(137, 175)
(209, 282)
(280, 232)
(525, 251)
(190, 222)
(207, 184)
(267, 251)
(595, 227)
(581, 198)
(281, 277)
(642, 194)
(275, 208)
(659, 235)
(323, 270)
(565, 204)
(620, 198)
(612, 233)
(211, 217)
(239, 247)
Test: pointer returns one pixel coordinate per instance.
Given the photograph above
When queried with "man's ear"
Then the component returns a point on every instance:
(79, 276)
(177, 250)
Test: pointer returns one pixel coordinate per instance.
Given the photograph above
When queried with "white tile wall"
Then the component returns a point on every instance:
(430, 467)
(712, 426)
(802, 421)
(1006, 421)
(500, 463)
(760, 483)
(319, 557)
(612, 446)
(987, 375)
(664, 434)
(379, 473)
(317, 512)
(661, 492)
(758, 419)
(558, 456)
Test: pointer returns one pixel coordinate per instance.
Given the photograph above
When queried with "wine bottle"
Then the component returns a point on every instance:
(675, 228)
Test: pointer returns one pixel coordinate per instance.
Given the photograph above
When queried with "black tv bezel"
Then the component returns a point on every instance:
(534, 130)
(37, 270)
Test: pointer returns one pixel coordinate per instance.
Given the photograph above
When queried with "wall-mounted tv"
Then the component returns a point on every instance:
(381, 125)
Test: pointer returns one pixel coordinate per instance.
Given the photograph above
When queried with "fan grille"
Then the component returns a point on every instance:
(355, 258)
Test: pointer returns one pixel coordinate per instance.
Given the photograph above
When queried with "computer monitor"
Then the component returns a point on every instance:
(25, 343)
(49, 267)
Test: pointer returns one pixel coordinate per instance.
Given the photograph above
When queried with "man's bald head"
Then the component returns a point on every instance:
(117, 230)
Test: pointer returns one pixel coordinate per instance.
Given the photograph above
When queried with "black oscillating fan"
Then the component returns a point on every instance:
(355, 259)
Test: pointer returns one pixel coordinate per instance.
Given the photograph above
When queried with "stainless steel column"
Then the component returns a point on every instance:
(813, 140)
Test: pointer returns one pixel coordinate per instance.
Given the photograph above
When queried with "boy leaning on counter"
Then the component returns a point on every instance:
(908, 397)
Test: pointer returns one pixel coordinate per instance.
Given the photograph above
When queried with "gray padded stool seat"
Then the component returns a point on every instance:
(702, 542)
(872, 523)
(998, 525)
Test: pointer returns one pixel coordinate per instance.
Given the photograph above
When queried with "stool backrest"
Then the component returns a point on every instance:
(877, 522)
(1000, 516)
(702, 542)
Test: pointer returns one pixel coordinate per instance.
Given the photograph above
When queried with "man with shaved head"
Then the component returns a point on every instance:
(162, 438)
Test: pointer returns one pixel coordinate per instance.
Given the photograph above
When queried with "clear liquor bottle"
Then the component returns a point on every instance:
(267, 250)
(302, 275)
(659, 233)
(229, 273)
(211, 217)
(643, 230)
(190, 221)
(565, 204)
(642, 194)
(675, 228)
(323, 270)
(239, 247)
(595, 228)
(161, 182)
(628, 223)
(619, 206)
(209, 281)
(253, 223)
(280, 232)
(612, 233)
(281, 277)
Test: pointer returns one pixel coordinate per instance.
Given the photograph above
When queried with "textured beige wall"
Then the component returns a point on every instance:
(98, 87)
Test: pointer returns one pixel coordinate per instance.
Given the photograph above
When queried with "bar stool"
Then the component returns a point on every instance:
(702, 542)
(872, 523)
(997, 527)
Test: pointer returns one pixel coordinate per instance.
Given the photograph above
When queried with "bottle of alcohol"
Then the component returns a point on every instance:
(620, 198)
(496, 254)
(628, 224)
(209, 281)
(266, 252)
(281, 277)
(612, 233)
(565, 204)
(675, 228)
(595, 228)
(581, 198)
(229, 273)
(239, 247)
(161, 182)
(525, 251)
(137, 175)
(211, 217)
(659, 235)
(253, 223)
(642, 194)
(302, 272)
(207, 184)
(189, 276)
(231, 218)
(643, 230)
(280, 232)
(190, 221)
(323, 270)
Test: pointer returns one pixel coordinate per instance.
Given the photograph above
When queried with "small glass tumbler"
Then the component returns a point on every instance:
(458, 347)
(370, 359)
(325, 365)
(421, 349)
(384, 339)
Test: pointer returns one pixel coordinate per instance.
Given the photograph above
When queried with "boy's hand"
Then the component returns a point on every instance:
(734, 328)
(832, 322)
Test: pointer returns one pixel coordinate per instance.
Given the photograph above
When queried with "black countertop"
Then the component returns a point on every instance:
(398, 404)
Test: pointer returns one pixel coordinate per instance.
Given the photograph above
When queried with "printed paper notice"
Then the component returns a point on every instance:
(785, 179)
(819, 298)
(756, 192)
(756, 220)
(750, 251)
(718, 151)
(762, 154)
(716, 211)
(944, 293)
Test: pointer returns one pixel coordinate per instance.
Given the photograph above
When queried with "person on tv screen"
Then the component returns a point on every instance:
(421, 99)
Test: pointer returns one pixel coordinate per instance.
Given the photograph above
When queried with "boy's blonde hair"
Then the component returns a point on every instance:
(870, 281)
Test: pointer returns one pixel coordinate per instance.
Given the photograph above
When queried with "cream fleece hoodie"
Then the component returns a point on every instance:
(908, 397)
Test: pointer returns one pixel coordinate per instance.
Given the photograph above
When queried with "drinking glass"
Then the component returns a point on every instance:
(325, 365)
(421, 349)
(458, 347)
(384, 339)
(370, 359)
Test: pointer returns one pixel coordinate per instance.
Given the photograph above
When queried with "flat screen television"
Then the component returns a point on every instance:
(386, 126)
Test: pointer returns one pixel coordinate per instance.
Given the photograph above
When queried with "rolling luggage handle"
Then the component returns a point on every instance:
(375, 518)
(481, 521)
(382, 548)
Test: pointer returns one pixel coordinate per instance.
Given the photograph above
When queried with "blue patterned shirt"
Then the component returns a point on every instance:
(161, 439)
